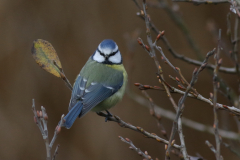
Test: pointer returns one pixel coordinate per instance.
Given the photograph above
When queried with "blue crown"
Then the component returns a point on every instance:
(108, 43)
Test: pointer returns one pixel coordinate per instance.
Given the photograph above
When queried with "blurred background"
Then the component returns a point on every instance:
(75, 28)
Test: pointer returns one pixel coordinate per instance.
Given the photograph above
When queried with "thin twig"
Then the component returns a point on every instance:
(56, 152)
(155, 115)
(153, 55)
(210, 146)
(133, 147)
(57, 130)
(40, 118)
(236, 152)
(234, 7)
(215, 88)
(159, 74)
(44, 117)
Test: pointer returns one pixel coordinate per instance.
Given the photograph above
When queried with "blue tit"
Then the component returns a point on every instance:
(100, 85)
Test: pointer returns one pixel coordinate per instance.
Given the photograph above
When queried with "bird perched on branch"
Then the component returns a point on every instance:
(100, 84)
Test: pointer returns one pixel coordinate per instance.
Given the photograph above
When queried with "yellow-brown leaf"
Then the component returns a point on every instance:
(44, 54)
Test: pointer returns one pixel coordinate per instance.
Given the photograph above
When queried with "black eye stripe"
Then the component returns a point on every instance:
(100, 53)
(111, 54)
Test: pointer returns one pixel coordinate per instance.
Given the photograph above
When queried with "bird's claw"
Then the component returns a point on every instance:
(108, 116)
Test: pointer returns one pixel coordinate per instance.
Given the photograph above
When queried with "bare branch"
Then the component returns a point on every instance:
(198, 2)
(182, 57)
(40, 118)
(56, 152)
(57, 130)
(210, 146)
(133, 147)
(137, 129)
(187, 122)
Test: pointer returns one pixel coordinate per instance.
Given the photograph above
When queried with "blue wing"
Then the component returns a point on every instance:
(84, 99)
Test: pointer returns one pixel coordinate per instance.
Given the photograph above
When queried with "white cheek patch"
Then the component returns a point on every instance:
(98, 57)
(117, 58)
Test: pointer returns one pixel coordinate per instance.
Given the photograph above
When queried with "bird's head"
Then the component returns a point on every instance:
(107, 53)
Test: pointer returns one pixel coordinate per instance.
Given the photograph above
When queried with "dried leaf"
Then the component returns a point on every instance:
(44, 54)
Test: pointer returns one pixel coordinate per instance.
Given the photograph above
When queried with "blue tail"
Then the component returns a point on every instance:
(73, 114)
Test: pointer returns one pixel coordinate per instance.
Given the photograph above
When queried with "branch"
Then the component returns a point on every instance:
(211, 146)
(133, 147)
(137, 129)
(40, 118)
(182, 57)
(234, 7)
(176, 123)
(57, 130)
(198, 2)
(213, 149)
(187, 122)
(56, 152)
(153, 55)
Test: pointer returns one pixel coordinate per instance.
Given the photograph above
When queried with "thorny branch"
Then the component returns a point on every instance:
(133, 147)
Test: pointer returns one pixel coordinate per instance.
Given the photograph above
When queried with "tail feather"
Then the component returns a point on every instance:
(73, 114)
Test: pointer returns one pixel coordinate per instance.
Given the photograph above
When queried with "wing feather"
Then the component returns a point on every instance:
(92, 95)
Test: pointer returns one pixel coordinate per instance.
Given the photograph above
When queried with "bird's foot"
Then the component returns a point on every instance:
(108, 115)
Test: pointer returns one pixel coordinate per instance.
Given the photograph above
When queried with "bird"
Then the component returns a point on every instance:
(100, 84)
